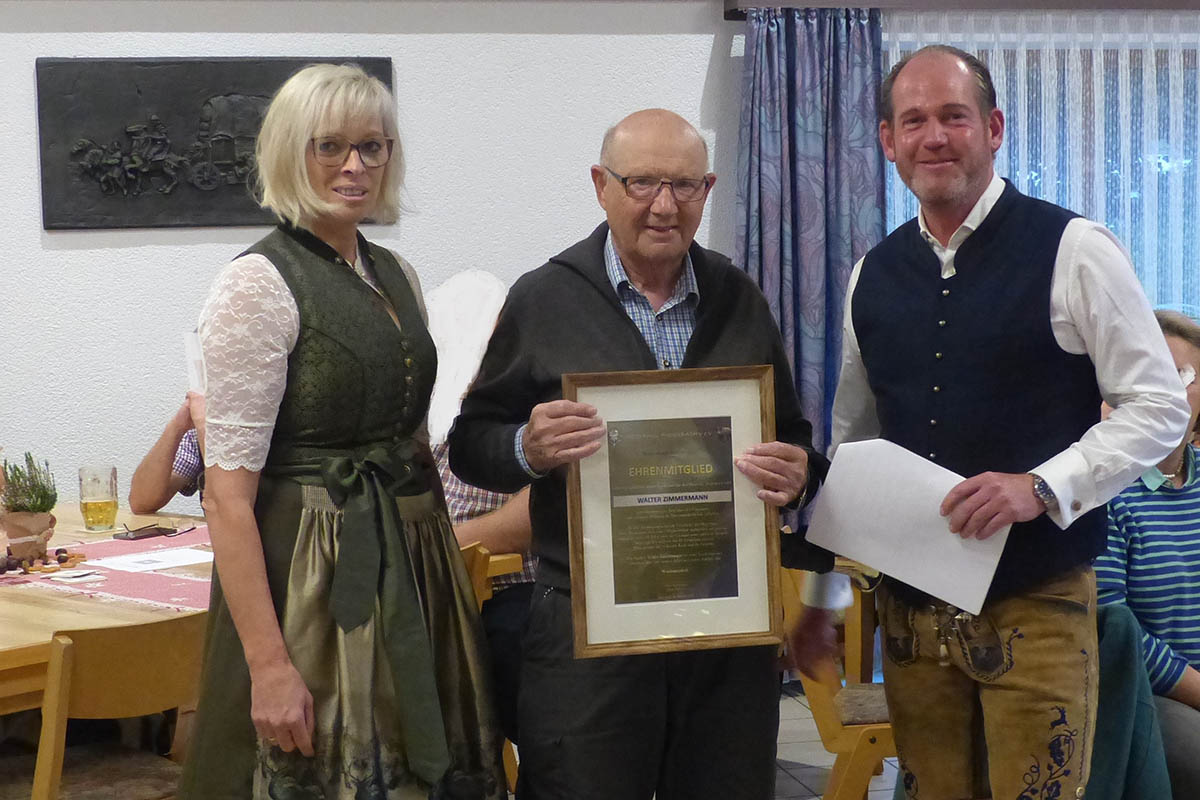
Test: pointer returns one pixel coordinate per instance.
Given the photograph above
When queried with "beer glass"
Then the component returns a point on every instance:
(98, 497)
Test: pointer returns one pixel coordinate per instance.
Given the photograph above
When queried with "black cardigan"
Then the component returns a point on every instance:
(565, 317)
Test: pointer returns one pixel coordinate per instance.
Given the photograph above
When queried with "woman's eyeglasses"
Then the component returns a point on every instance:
(332, 151)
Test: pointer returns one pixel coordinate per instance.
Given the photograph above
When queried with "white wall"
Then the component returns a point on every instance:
(502, 107)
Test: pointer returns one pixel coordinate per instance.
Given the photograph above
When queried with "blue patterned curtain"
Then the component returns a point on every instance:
(810, 179)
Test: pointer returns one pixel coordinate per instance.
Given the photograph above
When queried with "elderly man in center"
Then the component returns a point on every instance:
(635, 294)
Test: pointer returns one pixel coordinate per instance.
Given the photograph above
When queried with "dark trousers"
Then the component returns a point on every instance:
(674, 726)
(1181, 739)
(504, 618)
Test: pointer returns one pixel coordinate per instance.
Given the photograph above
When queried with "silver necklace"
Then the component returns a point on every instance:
(1171, 475)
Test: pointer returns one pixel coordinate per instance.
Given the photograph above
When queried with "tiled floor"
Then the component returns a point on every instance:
(803, 763)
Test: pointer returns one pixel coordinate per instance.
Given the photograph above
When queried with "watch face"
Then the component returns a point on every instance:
(1044, 492)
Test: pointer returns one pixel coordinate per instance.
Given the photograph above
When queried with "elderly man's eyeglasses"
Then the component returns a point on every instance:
(332, 151)
(646, 187)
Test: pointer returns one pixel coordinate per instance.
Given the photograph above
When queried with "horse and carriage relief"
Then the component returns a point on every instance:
(221, 154)
(164, 142)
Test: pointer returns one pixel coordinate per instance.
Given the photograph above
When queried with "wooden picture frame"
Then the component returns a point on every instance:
(670, 547)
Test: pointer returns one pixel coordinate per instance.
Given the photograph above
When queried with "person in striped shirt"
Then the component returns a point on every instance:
(175, 464)
(1153, 565)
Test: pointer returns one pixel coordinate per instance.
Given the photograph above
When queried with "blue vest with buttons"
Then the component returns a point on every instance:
(966, 370)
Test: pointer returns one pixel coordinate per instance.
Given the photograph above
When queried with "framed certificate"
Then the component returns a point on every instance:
(670, 547)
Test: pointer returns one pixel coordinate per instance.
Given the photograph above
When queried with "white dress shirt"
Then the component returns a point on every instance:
(1097, 308)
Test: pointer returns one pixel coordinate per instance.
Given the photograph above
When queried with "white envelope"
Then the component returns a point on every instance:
(197, 380)
(880, 505)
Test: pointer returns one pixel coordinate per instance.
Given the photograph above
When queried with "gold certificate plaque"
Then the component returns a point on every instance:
(670, 547)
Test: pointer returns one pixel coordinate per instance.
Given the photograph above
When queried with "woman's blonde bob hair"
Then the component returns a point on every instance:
(320, 100)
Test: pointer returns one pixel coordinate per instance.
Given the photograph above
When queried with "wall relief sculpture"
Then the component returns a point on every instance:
(134, 143)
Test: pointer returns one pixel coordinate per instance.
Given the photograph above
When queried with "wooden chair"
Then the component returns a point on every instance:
(859, 628)
(476, 558)
(478, 561)
(852, 719)
(103, 673)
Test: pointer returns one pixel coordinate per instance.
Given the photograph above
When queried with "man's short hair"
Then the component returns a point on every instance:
(984, 87)
(317, 100)
(1181, 326)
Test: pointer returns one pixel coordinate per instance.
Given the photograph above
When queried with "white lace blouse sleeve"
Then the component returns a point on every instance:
(248, 326)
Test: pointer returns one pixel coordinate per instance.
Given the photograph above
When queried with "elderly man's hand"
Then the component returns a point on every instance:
(984, 504)
(781, 469)
(812, 642)
(560, 432)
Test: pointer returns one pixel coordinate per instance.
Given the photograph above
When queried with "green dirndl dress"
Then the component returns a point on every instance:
(372, 596)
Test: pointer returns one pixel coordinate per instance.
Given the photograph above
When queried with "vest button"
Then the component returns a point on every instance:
(941, 323)
(938, 356)
(932, 456)
(937, 388)
(945, 292)
(933, 422)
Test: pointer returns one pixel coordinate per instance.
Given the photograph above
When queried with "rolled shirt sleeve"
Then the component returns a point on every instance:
(1098, 307)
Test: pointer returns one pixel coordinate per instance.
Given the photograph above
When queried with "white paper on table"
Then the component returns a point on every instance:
(197, 381)
(880, 505)
(155, 559)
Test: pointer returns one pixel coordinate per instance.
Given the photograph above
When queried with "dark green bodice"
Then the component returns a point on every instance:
(354, 378)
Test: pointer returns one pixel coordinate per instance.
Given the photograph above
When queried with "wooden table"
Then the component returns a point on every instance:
(30, 617)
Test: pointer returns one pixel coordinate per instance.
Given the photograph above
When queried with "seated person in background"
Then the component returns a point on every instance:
(174, 464)
(501, 523)
(462, 313)
(1153, 565)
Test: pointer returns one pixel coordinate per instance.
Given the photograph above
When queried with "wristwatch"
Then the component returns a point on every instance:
(1044, 493)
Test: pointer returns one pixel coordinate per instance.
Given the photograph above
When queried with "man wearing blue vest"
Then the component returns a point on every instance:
(983, 335)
